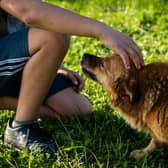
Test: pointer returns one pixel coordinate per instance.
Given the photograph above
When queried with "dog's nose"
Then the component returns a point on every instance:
(86, 55)
(81, 62)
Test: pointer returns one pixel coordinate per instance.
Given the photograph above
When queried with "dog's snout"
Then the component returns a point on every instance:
(84, 58)
(86, 55)
(81, 62)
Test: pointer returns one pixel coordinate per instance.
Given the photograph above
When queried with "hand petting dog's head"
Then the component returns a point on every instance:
(110, 72)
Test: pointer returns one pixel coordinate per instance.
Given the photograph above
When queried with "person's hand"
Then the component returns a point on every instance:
(74, 77)
(122, 45)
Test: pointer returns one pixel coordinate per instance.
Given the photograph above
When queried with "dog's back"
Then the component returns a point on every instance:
(153, 79)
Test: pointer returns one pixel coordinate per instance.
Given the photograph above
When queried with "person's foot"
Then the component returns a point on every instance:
(30, 136)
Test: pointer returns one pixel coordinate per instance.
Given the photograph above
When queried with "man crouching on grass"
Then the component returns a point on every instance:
(34, 39)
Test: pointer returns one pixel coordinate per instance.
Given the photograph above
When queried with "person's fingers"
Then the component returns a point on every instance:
(76, 79)
(140, 56)
(130, 54)
(125, 58)
(138, 53)
(134, 53)
(124, 46)
(136, 58)
(80, 81)
(72, 78)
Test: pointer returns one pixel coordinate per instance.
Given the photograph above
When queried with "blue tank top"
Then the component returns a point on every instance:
(9, 23)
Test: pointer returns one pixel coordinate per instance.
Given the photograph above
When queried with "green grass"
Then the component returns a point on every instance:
(106, 140)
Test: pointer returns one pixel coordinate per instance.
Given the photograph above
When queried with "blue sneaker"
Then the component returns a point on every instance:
(30, 136)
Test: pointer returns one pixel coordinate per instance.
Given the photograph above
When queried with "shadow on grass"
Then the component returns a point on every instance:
(102, 139)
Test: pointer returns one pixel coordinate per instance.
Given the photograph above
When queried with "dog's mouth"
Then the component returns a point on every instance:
(89, 74)
(84, 68)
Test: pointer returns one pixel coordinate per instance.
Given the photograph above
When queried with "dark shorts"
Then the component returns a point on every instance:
(13, 57)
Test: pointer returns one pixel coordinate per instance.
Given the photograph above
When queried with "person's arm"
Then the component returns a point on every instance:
(41, 15)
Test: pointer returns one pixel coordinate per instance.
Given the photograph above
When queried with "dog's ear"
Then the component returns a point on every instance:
(128, 85)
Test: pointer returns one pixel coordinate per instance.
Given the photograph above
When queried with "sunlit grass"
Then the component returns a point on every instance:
(106, 140)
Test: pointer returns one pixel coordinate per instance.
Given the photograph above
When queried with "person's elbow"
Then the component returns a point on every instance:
(25, 11)
(28, 16)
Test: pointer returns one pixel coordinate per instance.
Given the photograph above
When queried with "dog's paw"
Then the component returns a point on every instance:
(137, 154)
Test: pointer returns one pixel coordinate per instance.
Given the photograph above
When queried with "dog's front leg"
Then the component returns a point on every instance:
(153, 145)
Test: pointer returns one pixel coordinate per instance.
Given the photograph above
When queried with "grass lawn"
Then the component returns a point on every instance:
(104, 140)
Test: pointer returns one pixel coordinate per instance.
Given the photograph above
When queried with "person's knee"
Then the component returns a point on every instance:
(58, 42)
(85, 108)
(38, 39)
(68, 103)
(62, 41)
(80, 107)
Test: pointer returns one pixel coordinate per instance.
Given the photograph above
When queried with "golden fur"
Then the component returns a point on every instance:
(140, 96)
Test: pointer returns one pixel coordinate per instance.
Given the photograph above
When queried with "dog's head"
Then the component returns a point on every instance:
(111, 74)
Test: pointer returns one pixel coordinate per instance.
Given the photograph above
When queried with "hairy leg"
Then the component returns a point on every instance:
(47, 51)
(66, 103)
(152, 146)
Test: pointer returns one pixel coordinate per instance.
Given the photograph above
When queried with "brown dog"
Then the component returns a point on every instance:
(140, 96)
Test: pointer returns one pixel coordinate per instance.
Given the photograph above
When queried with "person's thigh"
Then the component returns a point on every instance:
(68, 102)
(61, 99)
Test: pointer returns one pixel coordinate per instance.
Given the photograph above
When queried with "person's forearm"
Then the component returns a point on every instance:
(45, 16)
(63, 21)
